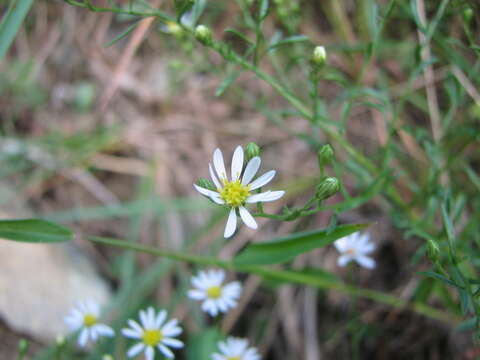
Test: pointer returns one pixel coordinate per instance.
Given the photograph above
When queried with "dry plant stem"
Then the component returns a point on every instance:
(284, 275)
(429, 75)
(125, 60)
(467, 84)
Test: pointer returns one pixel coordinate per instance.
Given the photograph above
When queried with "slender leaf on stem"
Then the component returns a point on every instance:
(34, 231)
(11, 22)
(287, 248)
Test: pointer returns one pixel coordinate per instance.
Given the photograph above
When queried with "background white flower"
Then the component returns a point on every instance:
(84, 317)
(355, 247)
(153, 332)
(237, 191)
(236, 349)
(216, 297)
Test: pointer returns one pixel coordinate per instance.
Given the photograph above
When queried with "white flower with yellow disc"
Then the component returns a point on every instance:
(84, 317)
(217, 297)
(236, 349)
(238, 190)
(153, 332)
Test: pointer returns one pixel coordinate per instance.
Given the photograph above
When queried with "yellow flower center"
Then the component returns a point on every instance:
(214, 292)
(152, 337)
(89, 320)
(234, 358)
(234, 193)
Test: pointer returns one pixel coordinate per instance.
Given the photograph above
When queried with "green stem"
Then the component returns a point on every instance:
(284, 275)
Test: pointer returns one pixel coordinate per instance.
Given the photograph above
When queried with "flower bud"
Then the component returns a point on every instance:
(60, 341)
(319, 56)
(205, 183)
(327, 187)
(468, 14)
(22, 347)
(203, 34)
(433, 250)
(252, 150)
(325, 155)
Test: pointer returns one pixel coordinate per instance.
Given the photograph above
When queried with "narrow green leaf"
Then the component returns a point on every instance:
(203, 344)
(225, 84)
(438, 277)
(34, 231)
(287, 248)
(11, 22)
(263, 10)
(288, 40)
(122, 35)
(240, 35)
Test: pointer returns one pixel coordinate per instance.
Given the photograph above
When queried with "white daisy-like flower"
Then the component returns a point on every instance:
(153, 333)
(236, 349)
(217, 297)
(84, 317)
(237, 191)
(355, 247)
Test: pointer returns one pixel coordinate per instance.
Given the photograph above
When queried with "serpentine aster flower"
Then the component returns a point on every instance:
(216, 296)
(236, 349)
(238, 191)
(153, 333)
(84, 317)
(355, 247)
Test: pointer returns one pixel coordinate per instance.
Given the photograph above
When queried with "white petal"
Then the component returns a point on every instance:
(172, 343)
(130, 333)
(341, 244)
(367, 248)
(247, 218)
(134, 325)
(83, 338)
(104, 330)
(166, 351)
(196, 295)
(237, 163)
(231, 224)
(135, 350)
(262, 180)
(365, 261)
(170, 329)
(204, 191)
(162, 315)
(214, 177)
(149, 353)
(219, 164)
(217, 199)
(251, 169)
(144, 319)
(344, 260)
(265, 196)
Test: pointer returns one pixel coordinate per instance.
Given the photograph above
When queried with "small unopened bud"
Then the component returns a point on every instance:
(319, 56)
(468, 14)
(252, 150)
(203, 34)
(60, 341)
(433, 250)
(22, 347)
(325, 155)
(205, 183)
(327, 187)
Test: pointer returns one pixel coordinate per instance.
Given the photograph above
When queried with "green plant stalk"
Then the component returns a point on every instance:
(11, 22)
(284, 275)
